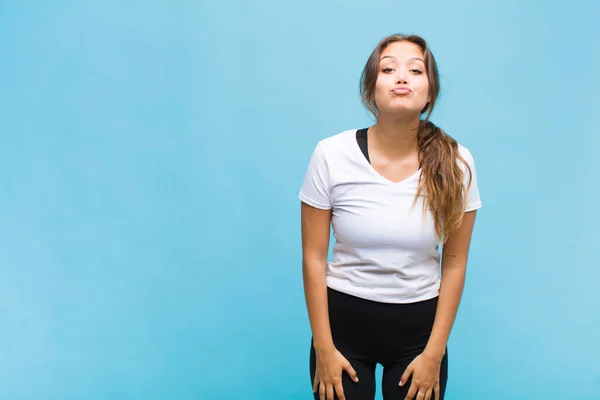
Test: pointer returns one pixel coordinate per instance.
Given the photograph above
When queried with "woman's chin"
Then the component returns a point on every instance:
(407, 109)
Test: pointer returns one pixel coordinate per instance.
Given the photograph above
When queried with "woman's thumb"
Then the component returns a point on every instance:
(407, 373)
(348, 368)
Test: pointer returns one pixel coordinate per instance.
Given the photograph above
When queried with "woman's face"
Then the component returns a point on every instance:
(402, 84)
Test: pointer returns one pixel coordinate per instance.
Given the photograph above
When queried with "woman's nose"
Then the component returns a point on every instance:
(401, 78)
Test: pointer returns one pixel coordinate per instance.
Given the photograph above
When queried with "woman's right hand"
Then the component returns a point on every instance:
(328, 375)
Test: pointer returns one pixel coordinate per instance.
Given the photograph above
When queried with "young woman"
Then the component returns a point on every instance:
(394, 193)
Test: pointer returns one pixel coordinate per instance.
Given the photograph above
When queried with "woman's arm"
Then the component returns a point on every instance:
(315, 247)
(454, 264)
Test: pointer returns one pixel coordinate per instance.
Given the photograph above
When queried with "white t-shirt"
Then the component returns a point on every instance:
(384, 250)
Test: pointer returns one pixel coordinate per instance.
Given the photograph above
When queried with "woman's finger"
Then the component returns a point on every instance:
(348, 368)
(407, 373)
(330, 392)
(412, 391)
(428, 394)
(339, 391)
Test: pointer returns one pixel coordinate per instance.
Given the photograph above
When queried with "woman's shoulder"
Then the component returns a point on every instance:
(340, 143)
(339, 138)
(465, 153)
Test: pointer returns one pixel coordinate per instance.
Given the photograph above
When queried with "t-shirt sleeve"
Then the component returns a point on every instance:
(315, 189)
(473, 198)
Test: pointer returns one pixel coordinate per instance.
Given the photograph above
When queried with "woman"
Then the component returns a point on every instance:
(393, 193)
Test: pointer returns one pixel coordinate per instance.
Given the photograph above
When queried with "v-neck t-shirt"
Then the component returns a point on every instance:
(385, 248)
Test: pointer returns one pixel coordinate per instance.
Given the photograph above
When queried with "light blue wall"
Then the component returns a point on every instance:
(151, 153)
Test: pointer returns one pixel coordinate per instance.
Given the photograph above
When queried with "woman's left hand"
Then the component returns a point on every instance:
(425, 371)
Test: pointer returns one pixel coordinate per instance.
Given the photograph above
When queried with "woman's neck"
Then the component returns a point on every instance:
(394, 137)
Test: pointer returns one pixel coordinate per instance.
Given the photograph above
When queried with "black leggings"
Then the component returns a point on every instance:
(368, 333)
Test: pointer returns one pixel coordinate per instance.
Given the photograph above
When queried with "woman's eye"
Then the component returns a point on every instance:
(417, 71)
(387, 69)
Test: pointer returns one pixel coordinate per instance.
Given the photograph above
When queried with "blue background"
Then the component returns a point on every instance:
(151, 154)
